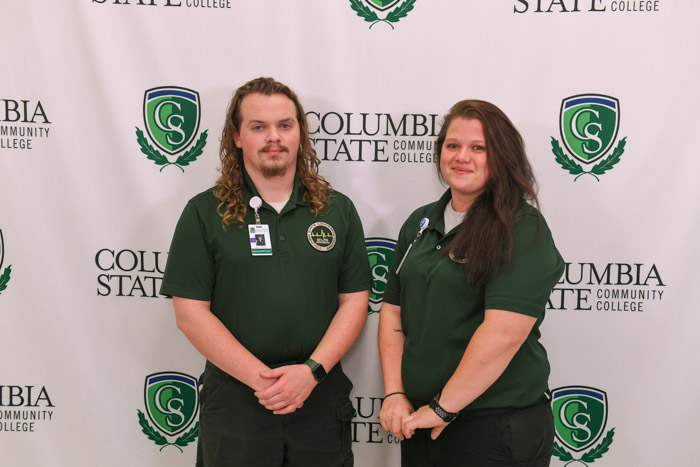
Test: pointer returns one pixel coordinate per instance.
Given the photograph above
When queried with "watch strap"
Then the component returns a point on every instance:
(442, 413)
(317, 369)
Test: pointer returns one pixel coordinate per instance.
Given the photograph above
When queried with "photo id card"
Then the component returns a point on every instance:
(260, 241)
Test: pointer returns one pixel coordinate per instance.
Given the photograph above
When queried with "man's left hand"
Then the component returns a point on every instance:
(424, 417)
(290, 391)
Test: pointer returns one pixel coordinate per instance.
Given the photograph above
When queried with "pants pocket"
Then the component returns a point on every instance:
(345, 413)
(530, 433)
(210, 382)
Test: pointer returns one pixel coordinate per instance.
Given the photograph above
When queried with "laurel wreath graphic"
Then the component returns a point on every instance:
(182, 161)
(599, 169)
(589, 456)
(370, 16)
(160, 440)
(5, 278)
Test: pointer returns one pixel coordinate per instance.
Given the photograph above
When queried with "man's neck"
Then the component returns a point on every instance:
(274, 189)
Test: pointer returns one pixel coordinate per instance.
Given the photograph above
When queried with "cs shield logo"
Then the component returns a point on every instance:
(4, 275)
(368, 9)
(380, 252)
(172, 402)
(171, 115)
(588, 124)
(580, 416)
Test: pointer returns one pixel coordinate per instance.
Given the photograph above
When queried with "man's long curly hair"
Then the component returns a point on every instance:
(229, 190)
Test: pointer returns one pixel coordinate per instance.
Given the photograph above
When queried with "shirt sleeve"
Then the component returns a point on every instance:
(189, 271)
(392, 292)
(525, 284)
(355, 275)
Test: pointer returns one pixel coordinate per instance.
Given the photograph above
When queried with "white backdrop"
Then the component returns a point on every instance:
(86, 218)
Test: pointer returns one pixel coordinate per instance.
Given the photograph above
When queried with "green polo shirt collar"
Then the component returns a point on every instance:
(436, 214)
(250, 190)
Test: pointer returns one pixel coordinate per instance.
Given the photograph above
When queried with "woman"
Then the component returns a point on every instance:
(465, 376)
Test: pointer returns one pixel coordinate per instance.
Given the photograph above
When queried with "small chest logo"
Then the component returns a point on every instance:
(321, 236)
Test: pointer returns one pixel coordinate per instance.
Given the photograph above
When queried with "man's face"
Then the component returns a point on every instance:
(269, 134)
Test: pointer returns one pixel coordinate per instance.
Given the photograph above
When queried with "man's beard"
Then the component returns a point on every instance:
(272, 171)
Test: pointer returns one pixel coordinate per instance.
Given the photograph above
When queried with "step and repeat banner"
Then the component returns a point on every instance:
(93, 370)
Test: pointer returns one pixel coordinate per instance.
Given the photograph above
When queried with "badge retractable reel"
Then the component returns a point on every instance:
(423, 225)
(260, 240)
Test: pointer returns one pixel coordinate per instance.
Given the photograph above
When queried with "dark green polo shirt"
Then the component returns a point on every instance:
(440, 312)
(277, 306)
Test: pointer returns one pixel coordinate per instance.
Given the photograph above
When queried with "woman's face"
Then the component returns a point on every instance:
(463, 161)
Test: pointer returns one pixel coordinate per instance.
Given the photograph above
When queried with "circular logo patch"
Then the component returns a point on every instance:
(321, 236)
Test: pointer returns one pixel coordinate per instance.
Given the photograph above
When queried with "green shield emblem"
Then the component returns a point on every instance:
(171, 115)
(580, 415)
(588, 125)
(172, 400)
(381, 4)
(380, 252)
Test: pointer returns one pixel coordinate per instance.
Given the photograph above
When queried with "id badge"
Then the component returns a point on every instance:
(260, 241)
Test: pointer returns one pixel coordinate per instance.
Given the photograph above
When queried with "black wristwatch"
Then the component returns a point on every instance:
(316, 369)
(442, 413)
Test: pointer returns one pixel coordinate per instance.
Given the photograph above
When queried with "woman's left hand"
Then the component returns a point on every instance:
(424, 417)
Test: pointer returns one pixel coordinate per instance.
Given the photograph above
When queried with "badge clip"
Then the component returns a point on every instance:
(424, 223)
(260, 239)
(255, 203)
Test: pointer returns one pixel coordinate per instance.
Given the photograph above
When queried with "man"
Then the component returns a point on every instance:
(271, 316)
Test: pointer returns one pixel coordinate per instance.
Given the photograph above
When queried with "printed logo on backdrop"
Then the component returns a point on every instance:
(206, 4)
(23, 408)
(588, 124)
(21, 123)
(129, 273)
(366, 427)
(611, 287)
(373, 137)
(171, 403)
(380, 252)
(391, 10)
(4, 273)
(586, 6)
(580, 417)
(171, 116)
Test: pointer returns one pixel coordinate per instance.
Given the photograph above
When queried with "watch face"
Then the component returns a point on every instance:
(319, 372)
(316, 369)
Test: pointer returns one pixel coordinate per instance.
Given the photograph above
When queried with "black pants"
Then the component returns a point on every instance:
(513, 438)
(236, 431)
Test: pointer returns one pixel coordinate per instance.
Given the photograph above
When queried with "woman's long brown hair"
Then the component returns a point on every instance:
(485, 238)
